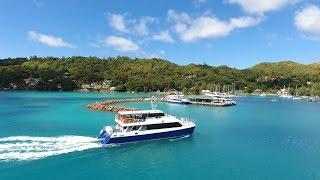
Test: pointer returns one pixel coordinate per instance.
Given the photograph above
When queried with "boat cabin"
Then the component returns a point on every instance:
(127, 117)
(144, 120)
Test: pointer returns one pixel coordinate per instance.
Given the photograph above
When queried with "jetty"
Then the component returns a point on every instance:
(106, 105)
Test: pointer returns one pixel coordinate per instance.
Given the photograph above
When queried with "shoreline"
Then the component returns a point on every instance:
(130, 92)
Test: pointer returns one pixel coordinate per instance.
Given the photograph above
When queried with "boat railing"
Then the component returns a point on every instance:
(127, 120)
(186, 121)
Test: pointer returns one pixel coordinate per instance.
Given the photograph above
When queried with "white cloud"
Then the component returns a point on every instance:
(198, 3)
(142, 26)
(173, 16)
(242, 22)
(95, 45)
(121, 23)
(307, 21)
(49, 40)
(180, 27)
(164, 36)
(117, 22)
(158, 55)
(121, 44)
(261, 6)
(207, 26)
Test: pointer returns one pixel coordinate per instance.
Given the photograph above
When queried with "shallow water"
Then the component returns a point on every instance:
(50, 135)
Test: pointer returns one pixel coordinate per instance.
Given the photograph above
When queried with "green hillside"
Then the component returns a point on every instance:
(143, 75)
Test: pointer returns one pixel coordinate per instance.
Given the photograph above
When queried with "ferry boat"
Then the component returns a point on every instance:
(177, 99)
(144, 125)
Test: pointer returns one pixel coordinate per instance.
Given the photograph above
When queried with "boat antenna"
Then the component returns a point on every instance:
(153, 105)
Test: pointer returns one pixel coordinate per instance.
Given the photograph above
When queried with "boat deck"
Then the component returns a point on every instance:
(211, 104)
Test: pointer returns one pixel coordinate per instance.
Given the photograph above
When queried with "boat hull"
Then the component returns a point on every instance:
(147, 137)
(178, 102)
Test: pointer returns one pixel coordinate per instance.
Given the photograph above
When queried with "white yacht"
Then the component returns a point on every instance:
(312, 98)
(296, 95)
(135, 126)
(284, 93)
(296, 98)
(263, 94)
(177, 99)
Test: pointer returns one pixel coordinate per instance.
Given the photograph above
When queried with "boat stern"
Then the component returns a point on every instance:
(105, 134)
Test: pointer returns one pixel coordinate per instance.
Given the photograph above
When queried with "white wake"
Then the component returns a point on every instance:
(31, 148)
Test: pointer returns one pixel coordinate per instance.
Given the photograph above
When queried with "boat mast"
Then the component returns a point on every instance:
(153, 105)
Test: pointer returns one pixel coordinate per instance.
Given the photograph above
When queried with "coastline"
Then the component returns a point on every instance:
(129, 92)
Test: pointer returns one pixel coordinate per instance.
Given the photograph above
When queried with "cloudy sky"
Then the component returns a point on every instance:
(237, 33)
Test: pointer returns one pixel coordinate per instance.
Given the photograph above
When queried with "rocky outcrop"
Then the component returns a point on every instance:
(105, 105)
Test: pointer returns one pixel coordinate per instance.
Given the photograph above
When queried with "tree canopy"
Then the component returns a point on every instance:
(140, 75)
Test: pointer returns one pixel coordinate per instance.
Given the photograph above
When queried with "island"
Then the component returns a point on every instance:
(150, 75)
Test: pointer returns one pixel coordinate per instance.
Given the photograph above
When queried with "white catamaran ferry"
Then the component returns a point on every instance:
(135, 126)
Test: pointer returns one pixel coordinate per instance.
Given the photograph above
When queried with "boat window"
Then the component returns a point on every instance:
(139, 116)
(143, 128)
(134, 128)
(156, 114)
(129, 128)
(164, 125)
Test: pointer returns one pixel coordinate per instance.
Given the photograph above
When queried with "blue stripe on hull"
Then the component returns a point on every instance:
(146, 137)
(178, 102)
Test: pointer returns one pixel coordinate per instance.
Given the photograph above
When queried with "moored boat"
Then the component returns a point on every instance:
(285, 93)
(263, 94)
(313, 99)
(177, 99)
(144, 125)
(296, 98)
(296, 95)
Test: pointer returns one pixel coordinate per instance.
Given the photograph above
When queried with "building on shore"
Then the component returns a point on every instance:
(31, 83)
(104, 86)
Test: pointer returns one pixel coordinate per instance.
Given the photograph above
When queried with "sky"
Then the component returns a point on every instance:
(237, 33)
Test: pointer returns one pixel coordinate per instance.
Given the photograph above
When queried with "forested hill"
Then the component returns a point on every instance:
(287, 68)
(69, 73)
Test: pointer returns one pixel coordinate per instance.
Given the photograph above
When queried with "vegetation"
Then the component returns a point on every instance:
(142, 75)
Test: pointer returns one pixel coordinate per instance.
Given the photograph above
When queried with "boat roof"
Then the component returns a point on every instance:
(139, 112)
(148, 121)
(205, 97)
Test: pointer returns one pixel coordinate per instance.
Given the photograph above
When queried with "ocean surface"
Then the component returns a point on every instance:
(51, 135)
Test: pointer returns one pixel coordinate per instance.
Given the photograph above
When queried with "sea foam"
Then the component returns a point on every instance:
(30, 148)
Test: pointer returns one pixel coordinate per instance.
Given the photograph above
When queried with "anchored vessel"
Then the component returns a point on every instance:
(135, 126)
(212, 99)
(284, 93)
(177, 99)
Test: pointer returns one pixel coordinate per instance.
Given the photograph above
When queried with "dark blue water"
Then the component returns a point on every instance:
(51, 136)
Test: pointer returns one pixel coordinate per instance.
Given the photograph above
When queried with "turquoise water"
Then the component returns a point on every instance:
(51, 136)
